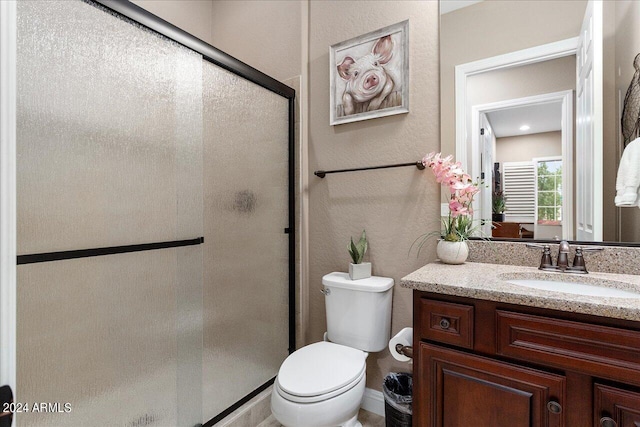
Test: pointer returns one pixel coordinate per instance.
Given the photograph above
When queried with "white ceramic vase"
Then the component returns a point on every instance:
(452, 252)
(359, 271)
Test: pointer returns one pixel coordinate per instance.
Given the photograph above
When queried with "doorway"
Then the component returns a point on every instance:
(512, 136)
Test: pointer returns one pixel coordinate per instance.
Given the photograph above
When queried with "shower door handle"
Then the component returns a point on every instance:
(6, 399)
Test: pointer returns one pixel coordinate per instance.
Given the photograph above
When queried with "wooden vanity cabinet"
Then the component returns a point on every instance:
(467, 390)
(486, 364)
(616, 407)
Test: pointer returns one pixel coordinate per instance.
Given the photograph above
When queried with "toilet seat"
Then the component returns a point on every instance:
(320, 397)
(320, 371)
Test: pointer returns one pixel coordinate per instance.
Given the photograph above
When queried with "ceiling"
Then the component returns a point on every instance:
(540, 118)
(447, 6)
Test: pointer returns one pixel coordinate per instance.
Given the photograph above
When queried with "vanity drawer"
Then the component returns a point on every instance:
(446, 322)
(597, 350)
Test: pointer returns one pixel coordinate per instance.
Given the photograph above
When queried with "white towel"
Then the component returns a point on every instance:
(628, 180)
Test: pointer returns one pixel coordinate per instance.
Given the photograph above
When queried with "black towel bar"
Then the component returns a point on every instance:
(417, 164)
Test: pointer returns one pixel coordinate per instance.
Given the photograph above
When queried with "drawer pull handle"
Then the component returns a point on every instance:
(608, 422)
(444, 323)
(555, 408)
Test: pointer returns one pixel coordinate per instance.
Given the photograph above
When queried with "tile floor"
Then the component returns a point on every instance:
(367, 419)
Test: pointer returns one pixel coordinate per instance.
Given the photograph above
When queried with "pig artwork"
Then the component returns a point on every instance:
(369, 85)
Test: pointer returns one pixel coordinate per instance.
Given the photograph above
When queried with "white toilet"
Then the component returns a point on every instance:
(322, 384)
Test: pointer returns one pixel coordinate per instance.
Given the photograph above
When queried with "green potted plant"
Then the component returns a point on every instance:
(359, 269)
(497, 206)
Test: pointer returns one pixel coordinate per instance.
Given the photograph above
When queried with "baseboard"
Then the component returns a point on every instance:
(373, 401)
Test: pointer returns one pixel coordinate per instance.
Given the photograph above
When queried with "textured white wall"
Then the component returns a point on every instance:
(264, 34)
(395, 206)
(193, 16)
(525, 147)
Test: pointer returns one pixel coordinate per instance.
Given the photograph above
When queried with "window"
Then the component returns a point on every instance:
(549, 191)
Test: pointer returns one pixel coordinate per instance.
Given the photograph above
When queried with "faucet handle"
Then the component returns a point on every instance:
(578, 265)
(545, 261)
(591, 248)
(578, 262)
(537, 245)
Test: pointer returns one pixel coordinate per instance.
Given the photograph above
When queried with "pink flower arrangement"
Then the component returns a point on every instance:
(458, 226)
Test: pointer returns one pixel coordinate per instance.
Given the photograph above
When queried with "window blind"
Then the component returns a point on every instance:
(519, 180)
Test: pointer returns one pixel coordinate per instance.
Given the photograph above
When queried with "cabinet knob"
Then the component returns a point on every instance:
(554, 407)
(444, 323)
(608, 422)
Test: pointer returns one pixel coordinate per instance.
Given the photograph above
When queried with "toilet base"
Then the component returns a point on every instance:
(353, 422)
(339, 411)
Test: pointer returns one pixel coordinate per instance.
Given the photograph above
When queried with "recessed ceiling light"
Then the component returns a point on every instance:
(525, 127)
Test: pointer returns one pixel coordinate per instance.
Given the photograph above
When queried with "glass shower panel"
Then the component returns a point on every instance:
(106, 109)
(245, 247)
(100, 334)
(109, 154)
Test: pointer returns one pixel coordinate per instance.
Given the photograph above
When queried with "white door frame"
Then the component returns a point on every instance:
(485, 195)
(566, 97)
(532, 55)
(8, 10)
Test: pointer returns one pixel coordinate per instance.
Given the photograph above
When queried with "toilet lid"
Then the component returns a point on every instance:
(320, 368)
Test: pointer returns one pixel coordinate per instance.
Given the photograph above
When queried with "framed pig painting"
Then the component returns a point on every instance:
(370, 75)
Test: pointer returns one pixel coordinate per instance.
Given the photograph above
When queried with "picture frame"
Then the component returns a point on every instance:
(369, 75)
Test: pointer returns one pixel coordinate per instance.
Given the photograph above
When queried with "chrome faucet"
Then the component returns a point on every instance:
(562, 262)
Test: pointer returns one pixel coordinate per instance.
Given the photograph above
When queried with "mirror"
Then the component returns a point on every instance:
(531, 99)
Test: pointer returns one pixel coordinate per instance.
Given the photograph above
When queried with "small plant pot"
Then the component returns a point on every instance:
(452, 252)
(359, 271)
(498, 217)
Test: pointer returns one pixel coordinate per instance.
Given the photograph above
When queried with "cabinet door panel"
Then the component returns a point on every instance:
(467, 395)
(458, 390)
(620, 405)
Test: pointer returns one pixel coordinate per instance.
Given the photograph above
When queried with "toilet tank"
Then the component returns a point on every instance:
(358, 311)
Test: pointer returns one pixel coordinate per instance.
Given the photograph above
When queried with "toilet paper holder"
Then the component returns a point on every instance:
(405, 350)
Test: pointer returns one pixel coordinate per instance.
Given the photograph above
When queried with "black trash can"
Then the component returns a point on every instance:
(397, 389)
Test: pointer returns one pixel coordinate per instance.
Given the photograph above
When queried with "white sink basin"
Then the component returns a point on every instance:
(574, 288)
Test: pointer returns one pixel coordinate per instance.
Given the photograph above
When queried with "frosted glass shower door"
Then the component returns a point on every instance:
(246, 261)
(109, 155)
(131, 148)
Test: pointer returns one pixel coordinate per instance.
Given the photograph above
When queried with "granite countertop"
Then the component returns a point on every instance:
(488, 282)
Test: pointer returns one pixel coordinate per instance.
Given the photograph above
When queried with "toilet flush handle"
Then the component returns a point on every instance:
(326, 292)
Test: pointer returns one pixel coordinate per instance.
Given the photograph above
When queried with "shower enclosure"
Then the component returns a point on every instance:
(155, 278)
